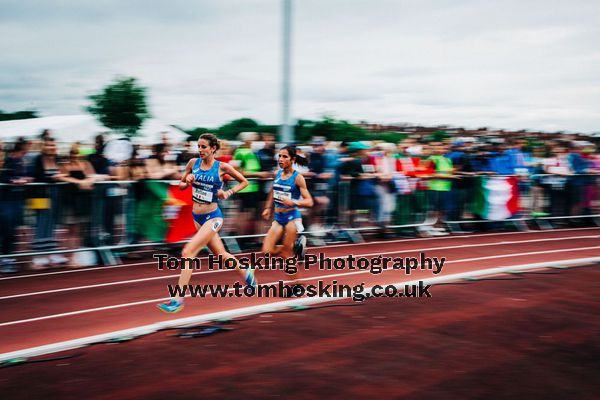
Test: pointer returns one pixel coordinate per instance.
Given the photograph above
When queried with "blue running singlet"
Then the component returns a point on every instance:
(206, 183)
(285, 188)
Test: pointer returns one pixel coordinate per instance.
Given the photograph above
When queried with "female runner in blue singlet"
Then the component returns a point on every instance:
(205, 175)
(289, 192)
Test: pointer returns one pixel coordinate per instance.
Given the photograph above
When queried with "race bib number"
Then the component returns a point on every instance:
(202, 195)
(280, 195)
(216, 224)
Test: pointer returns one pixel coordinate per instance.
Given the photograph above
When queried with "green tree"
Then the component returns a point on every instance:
(121, 106)
(436, 136)
(330, 128)
(391, 137)
(232, 129)
(272, 129)
(7, 116)
(305, 130)
(440, 136)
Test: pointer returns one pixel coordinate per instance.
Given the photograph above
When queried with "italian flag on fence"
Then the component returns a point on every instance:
(496, 197)
(164, 213)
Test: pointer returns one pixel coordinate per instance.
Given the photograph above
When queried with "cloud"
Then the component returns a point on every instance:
(513, 64)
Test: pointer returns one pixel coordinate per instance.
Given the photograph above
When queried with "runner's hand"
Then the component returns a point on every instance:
(288, 202)
(224, 195)
(266, 214)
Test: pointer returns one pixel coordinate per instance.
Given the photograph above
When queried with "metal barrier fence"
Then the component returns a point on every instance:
(544, 200)
(60, 218)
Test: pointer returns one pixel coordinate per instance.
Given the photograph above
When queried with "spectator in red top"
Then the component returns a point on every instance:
(224, 155)
(412, 165)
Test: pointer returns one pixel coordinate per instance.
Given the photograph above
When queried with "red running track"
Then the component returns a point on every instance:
(533, 336)
(49, 307)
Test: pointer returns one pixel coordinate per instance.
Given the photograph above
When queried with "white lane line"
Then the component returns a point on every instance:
(85, 311)
(67, 289)
(270, 307)
(459, 236)
(50, 291)
(35, 275)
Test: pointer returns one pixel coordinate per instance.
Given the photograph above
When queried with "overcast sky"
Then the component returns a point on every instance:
(515, 64)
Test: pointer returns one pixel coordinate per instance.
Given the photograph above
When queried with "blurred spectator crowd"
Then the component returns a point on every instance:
(354, 184)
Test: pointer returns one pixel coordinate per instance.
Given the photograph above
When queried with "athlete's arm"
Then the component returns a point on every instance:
(307, 200)
(268, 206)
(187, 177)
(235, 174)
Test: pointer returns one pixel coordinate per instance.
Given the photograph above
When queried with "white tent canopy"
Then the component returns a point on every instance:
(83, 128)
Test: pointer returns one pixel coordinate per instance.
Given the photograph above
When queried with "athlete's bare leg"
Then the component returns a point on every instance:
(204, 235)
(273, 235)
(287, 250)
(217, 247)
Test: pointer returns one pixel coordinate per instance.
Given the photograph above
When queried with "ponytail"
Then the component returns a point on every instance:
(301, 159)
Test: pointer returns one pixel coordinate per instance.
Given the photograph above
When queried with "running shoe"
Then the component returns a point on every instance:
(300, 247)
(251, 279)
(171, 306)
